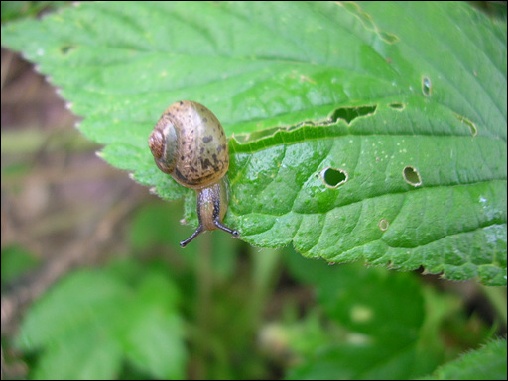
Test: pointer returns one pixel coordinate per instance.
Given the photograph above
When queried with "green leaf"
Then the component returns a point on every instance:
(89, 355)
(155, 345)
(370, 131)
(80, 299)
(486, 363)
(92, 321)
(385, 319)
(154, 341)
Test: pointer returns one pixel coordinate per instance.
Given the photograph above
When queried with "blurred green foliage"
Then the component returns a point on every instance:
(223, 309)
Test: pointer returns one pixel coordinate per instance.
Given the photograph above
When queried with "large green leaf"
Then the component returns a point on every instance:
(372, 131)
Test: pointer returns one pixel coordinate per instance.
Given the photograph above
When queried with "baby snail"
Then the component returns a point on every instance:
(188, 142)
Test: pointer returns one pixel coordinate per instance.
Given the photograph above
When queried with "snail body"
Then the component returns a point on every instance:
(189, 143)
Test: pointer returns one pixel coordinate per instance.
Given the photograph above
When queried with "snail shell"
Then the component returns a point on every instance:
(189, 143)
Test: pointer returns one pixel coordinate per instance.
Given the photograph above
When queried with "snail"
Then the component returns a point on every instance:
(189, 143)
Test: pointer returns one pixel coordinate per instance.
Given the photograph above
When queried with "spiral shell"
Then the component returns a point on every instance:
(189, 143)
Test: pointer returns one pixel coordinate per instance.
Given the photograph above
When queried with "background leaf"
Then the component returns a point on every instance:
(93, 321)
(384, 328)
(406, 101)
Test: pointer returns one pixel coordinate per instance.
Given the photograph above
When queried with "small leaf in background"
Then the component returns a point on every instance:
(407, 101)
(382, 319)
(154, 340)
(88, 355)
(93, 321)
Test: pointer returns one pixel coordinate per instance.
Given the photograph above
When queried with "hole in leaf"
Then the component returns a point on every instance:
(350, 113)
(368, 22)
(66, 49)
(389, 38)
(467, 122)
(383, 225)
(333, 177)
(412, 176)
(397, 106)
(427, 86)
